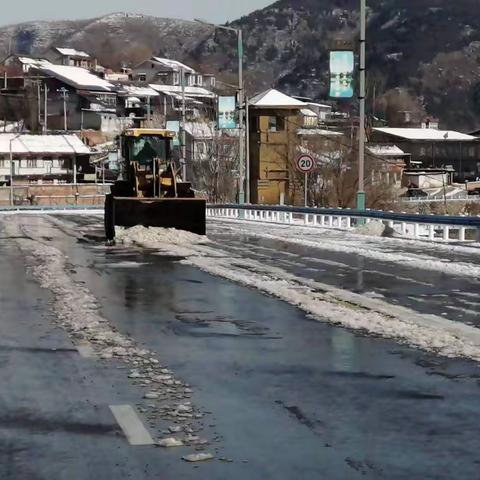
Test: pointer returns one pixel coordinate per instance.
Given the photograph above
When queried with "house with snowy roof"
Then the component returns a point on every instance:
(71, 57)
(164, 71)
(433, 148)
(90, 101)
(21, 64)
(43, 159)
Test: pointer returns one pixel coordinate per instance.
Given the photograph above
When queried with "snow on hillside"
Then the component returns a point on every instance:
(35, 37)
(110, 33)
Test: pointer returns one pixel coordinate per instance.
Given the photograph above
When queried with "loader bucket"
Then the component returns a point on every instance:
(187, 214)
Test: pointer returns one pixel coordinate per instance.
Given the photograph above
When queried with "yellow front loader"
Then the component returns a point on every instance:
(150, 192)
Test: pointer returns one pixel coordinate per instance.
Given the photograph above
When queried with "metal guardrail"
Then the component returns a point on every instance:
(471, 199)
(431, 227)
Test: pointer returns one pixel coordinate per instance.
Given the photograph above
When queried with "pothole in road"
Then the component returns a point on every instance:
(204, 325)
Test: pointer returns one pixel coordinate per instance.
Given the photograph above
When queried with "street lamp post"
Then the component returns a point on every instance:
(361, 203)
(241, 118)
(12, 168)
(241, 95)
(247, 156)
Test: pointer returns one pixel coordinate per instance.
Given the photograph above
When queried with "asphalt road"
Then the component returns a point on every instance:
(289, 398)
(455, 297)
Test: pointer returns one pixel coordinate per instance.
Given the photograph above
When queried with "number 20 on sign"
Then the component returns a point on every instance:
(305, 164)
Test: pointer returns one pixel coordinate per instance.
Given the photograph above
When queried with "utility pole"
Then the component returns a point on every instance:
(12, 169)
(64, 93)
(45, 112)
(374, 102)
(184, 137)
(39, 104)
(361, 144)
(241, 123)
(149, 115)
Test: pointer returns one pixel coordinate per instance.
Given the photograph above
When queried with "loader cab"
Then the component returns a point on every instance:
(146, 159)
(142, 146)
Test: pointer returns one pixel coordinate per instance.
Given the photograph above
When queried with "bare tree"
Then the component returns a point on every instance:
(334, 182)
(402, 108)
(215, 166)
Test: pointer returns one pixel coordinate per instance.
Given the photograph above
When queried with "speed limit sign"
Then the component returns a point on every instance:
(305, 163)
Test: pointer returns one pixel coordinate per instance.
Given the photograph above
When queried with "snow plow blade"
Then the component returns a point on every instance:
(187, 214)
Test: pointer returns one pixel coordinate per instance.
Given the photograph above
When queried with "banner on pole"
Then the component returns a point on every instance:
(227, 113)
(174, 126)
(342, 68)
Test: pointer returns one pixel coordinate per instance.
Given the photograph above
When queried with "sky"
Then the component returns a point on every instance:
(212, 10)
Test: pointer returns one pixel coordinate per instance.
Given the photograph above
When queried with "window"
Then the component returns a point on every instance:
(310, 121)
(199, 80)
(3, 163)
(276, 124)
(142, 77)
(176, 78)
(107, 99)
(201, 148)
(31, 163)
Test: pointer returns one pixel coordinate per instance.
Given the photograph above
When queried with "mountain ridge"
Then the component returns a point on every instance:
(431, 53)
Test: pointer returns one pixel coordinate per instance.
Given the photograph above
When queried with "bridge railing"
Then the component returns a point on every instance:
(429, 227)
(46, 209)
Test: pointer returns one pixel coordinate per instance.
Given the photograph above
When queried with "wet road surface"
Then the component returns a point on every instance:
(454, 297)
(290, 397)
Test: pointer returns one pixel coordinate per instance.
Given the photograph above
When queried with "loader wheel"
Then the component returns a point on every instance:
(109, 219)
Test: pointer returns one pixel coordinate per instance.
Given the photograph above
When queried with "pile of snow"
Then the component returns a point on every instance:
(374, 229)
(157, 237)
(382, 249)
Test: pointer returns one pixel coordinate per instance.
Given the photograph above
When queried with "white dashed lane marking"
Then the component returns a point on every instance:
(131, 425)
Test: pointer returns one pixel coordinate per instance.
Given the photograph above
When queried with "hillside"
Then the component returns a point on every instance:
(114, 38)
(430, 48)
